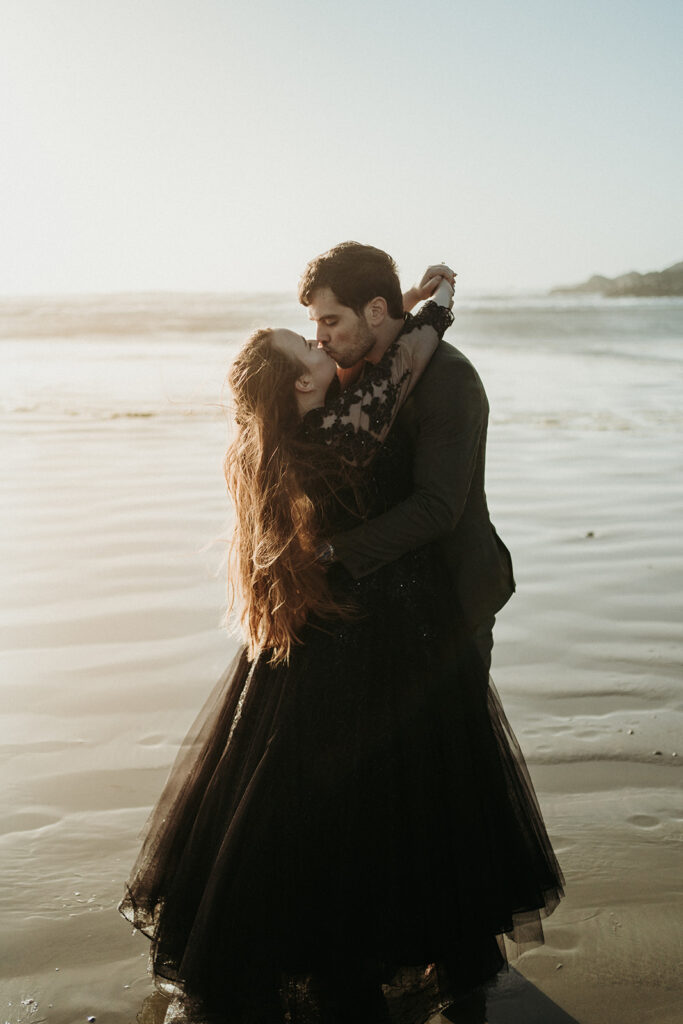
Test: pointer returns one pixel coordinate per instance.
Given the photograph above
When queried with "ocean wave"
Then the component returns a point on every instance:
(48, 412)
(598, 421)
(666, 758)
(165, 314)
(155, 315)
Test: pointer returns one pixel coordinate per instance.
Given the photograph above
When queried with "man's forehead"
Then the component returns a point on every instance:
(324, 303)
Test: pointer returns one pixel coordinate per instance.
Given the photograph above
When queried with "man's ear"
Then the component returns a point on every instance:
(304, 383)
(376, 311)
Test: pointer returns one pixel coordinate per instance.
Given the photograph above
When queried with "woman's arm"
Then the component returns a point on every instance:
(417, 347)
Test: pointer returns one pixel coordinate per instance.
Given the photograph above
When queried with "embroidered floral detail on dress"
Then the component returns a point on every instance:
(431, 314)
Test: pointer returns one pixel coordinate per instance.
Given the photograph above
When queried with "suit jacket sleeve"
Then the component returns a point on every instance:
(451, 414)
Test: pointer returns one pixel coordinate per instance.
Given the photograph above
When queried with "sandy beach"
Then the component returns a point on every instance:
(113, 520)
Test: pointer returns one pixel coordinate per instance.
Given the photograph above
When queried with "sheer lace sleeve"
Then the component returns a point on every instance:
(358, 420)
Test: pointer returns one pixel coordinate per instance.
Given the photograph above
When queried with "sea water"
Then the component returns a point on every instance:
(548, 362)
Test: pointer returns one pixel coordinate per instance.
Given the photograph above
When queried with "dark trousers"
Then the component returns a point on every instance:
(471, 1008)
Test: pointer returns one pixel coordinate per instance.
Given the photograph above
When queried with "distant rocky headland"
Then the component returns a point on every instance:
(656, 283)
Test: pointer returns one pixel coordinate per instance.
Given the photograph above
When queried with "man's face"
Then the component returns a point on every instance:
(344, 335)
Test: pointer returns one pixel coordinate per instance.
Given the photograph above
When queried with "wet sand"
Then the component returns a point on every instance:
(111, 641)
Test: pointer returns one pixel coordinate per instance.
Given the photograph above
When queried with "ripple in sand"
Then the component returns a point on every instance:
(644, 821)
(27, 821)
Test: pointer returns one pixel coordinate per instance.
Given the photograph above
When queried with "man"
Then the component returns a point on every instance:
(353, 294)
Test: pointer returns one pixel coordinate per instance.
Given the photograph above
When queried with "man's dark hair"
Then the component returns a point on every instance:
(356, 274)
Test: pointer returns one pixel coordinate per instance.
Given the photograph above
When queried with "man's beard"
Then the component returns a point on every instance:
(363, 342)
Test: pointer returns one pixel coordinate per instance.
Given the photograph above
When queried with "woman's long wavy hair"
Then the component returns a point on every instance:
(273, 473)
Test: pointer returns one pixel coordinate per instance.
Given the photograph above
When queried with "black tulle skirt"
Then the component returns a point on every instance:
(346, 838)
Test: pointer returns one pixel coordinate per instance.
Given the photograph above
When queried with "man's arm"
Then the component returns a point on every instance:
(452, 411)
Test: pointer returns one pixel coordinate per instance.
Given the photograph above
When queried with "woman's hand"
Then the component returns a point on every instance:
(431, 279)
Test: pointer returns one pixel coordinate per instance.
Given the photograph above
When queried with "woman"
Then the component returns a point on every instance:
(350, 827)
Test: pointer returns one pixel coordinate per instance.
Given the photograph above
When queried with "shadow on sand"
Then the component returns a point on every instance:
(512, 1000)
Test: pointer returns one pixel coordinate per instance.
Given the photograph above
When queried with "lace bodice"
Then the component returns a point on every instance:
(358, 420)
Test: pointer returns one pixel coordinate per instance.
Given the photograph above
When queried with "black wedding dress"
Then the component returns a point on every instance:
(346, 838)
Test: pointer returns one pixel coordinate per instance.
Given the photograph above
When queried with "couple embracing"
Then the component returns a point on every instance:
(349, 829)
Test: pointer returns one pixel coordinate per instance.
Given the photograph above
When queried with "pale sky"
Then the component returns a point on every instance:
(206, 145)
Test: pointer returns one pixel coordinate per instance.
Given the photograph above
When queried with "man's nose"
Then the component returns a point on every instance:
(322, 335)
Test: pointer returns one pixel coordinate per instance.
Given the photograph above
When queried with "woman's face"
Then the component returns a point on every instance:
(320, 367)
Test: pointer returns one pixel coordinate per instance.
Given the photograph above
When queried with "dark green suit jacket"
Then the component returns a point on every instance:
(447, 415)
